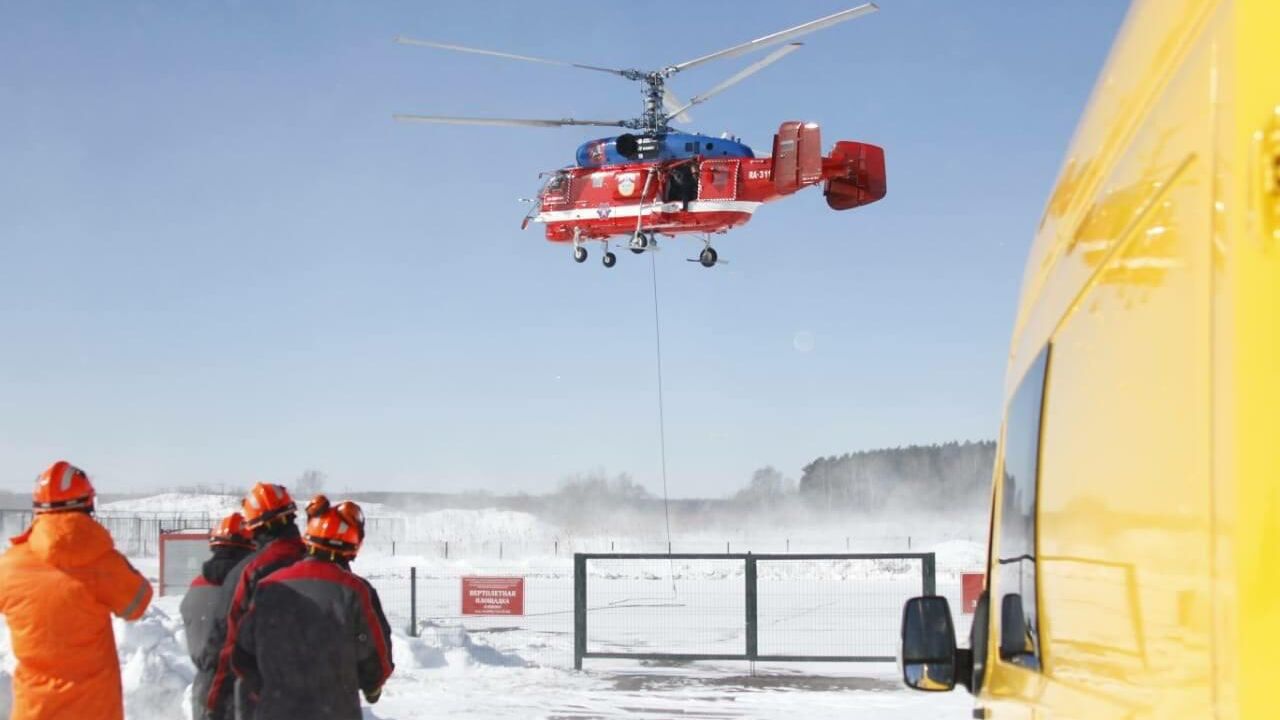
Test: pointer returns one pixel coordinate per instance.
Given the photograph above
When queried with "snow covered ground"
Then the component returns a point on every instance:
(508, 668)
(522, 667)
(449, 673)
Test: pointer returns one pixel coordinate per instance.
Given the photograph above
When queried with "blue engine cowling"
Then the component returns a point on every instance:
(671, 146)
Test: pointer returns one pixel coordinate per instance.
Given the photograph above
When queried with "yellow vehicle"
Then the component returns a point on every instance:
(1134, 556)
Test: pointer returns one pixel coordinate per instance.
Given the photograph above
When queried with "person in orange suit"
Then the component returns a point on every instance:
(60, 583)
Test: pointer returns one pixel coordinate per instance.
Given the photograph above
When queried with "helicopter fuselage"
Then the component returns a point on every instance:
(700, 191)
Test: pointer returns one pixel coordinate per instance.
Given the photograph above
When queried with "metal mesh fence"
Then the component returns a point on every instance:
(833, 607)
(387, 536)
(771, 607)
(136, 534)
(652, 605)
(429, 599)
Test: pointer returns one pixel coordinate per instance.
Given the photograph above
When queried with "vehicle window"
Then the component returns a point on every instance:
(979, 631)
(1019, 636)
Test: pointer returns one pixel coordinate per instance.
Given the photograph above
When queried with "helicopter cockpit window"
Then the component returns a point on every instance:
(557, 187)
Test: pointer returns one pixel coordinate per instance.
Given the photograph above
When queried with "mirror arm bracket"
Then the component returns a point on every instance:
(964, 668)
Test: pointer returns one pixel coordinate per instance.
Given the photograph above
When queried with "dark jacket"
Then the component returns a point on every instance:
(281, 548)
(201, 607)
(315, 637)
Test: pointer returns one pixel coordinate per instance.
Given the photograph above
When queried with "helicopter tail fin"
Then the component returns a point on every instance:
(797, 156)
(863, 178)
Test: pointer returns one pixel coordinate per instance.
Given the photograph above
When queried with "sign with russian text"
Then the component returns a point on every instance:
(492, 595)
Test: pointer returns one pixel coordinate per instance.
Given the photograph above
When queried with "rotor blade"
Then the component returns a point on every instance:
(779, 37)
(738, 77)
(510, 56)
(524, 122)
(674, 106)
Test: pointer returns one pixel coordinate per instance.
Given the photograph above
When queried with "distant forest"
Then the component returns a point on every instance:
(949, 479)
(950, 476)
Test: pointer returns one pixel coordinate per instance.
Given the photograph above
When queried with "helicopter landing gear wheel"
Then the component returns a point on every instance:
(708, 257)
(609, 259)
(579, 254)
(639, 243)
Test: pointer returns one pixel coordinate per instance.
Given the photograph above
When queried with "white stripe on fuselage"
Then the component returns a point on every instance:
(622, 211)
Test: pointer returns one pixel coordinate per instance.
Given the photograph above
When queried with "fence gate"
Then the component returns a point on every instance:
(771, 608)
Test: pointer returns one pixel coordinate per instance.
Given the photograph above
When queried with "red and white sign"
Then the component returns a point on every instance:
(492, 595)
(970, 590)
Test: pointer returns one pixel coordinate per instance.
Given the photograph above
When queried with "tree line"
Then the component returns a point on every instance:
(953, 477)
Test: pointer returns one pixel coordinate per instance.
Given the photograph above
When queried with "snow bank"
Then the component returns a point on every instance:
(156, 672)
(450, 646)
(154, 666)
(184, 503)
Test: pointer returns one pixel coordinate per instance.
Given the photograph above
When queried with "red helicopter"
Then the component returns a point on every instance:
(659, 181)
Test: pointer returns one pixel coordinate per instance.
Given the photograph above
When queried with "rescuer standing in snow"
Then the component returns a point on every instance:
(316, 637)
(204, 604)
(269, 513)
(60, 583)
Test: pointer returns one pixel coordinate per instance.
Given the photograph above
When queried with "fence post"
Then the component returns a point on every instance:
(929, 572)
(393, 548)
(752, 615)
(413, 602)
(579, 609)
(446, 549)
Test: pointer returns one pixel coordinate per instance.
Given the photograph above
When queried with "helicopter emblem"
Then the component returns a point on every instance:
(627, 184)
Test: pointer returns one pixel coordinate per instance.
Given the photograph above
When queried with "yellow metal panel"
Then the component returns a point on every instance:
(1155, 39)
(1246, 342)
(1156, 273)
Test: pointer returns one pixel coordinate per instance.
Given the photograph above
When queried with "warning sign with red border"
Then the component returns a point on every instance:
(492, 595)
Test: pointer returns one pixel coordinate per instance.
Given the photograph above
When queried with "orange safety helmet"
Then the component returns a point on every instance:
(337, 529)
(62, 488)
(232, 532)
(265, 503)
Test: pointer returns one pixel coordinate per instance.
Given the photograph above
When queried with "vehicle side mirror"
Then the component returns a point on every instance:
(928, 653)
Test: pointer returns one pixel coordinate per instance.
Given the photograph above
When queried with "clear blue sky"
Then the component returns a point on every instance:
(221, 261)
